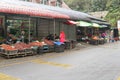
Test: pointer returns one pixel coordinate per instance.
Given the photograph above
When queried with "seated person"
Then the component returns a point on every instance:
(9, 38)
(56, 37)
(50, 37)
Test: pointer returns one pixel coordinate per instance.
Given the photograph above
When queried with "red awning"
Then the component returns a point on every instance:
(32, 11)
(70, 22)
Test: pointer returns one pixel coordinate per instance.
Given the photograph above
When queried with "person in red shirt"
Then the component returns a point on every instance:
(62, 36)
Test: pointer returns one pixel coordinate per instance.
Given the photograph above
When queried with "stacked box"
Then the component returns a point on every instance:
(94, 42)
(59, 48)
(51, 48)
(73, 43)
(67, 45)
(29, 51)
(101, 41)
(9, 54)
(35, 49)
(43, 49)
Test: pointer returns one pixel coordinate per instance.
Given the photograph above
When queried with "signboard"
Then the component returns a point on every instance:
(118, 23)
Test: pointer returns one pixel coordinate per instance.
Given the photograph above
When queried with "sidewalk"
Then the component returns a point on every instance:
(79, 46)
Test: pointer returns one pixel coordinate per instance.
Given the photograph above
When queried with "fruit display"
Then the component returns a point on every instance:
(95, 38)
(8, 47)
(49, 42)
(22, 46)
(36, 43)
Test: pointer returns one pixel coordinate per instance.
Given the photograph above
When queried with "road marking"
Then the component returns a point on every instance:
(6, 65)
(16, 63)
(39, 61)
(7, 77)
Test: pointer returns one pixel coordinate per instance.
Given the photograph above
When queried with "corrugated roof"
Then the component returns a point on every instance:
(74, 15)
(55, 12)
(27, 8)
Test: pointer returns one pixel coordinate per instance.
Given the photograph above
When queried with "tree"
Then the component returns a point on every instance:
(114, 12)
(80, 5)
(113, 6)
(99, 5)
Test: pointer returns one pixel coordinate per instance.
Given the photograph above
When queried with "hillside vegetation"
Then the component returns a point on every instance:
(113, 6)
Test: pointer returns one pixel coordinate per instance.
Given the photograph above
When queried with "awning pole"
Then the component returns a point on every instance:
(54, 29)
(29, 29)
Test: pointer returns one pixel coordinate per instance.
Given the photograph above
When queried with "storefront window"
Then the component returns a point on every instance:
(17, 27)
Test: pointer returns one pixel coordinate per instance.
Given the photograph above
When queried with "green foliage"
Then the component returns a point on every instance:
(80, 5)
(113, 16)
(93, 5)
(113, 6)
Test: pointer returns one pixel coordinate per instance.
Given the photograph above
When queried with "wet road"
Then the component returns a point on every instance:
(92, 63)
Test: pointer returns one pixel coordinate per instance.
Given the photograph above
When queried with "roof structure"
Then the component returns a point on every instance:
(34, 9)
(27, 8)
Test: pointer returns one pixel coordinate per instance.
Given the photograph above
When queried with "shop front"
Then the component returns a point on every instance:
(2, 27)
(22, 28)
(55, 26)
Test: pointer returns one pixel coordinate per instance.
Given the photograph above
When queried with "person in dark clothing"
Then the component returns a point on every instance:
(50, 37)
(9, 38)
(56, 37)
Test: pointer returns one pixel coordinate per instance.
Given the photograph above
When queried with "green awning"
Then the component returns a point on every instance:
(103, 26)
(95, 25)
(88, 24)
(98, 25)
(84, 24)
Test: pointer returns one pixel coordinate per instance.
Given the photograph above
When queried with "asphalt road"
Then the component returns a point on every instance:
(91, 63)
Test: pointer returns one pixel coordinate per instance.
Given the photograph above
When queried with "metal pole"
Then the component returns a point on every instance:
(29, 29)
(54, 29)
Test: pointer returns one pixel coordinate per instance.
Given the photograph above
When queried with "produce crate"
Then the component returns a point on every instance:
(9, 54)
(94, 42)
(101, 41)
(59, 48)
(105, 40)
(1, 50)
(29, 52)
(44, 49)
(73, 43)
(51, 48)
(35, 49)
(21, 53)
(67, 45)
